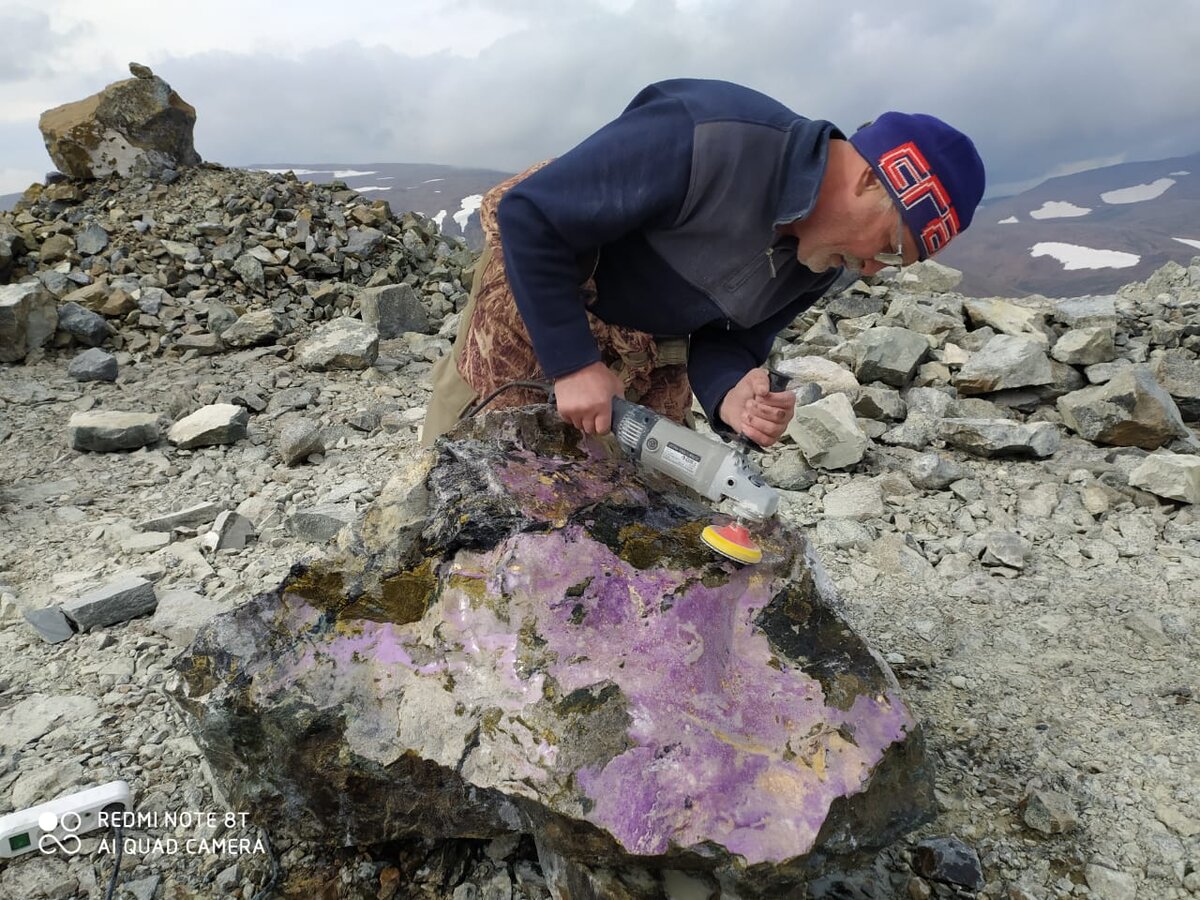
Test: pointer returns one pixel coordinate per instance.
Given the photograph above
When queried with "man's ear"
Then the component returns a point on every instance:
(867, 182)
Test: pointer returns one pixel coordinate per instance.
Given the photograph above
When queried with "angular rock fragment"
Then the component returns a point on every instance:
(198, 514)
(1085, 312)
(1007, 317)
(1179, 373)
(1175, 476)
(342, 344)
(1002, 437)
(217, 423)
(1130, 410)
(1005, 361)
(50, 624)
(827, 433)
(106, 431)
(828, 375)
(527, 637)
(115, 601)
(929, 276)
(85, 326)
(856, 500)
(259, 326)
(91, 240)
(299, 439)
(393, 309)
(93, 365)
(321, 524)
(138, 126)
(890, 355)
(950, 861)
(1086, 346)
(934, 472)
(229, 532)
(28, 318)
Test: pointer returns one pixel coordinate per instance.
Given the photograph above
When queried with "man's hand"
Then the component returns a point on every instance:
(584, 397)
(752, 410)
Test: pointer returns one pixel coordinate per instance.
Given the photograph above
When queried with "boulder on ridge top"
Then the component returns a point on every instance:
(524, 635)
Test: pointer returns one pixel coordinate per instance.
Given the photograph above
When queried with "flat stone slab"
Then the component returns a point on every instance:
(528, 637)
(106, 431)
(118, 600)
(212, 425)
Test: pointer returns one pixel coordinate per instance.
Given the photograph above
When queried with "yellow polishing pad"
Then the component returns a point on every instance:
(733, 541)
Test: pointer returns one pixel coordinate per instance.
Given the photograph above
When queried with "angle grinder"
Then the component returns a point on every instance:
(710, 467)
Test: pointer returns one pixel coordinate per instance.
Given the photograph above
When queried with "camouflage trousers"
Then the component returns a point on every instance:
(493, 346)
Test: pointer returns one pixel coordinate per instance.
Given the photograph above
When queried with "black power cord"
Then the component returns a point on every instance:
(535, 385)
(112, 879)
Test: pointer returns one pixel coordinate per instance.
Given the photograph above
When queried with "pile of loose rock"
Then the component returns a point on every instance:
(207, 375)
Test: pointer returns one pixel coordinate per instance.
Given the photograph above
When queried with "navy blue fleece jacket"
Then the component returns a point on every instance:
(681, 197)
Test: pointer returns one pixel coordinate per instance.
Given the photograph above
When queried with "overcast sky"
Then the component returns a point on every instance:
(1044, 87)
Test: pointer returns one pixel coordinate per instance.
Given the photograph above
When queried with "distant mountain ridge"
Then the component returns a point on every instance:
(1087, 233)
(449, 195)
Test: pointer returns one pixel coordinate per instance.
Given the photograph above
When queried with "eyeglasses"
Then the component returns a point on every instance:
(897, 258)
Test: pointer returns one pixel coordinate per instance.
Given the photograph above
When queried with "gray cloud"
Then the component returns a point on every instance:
(29, 45)
(1038, 84)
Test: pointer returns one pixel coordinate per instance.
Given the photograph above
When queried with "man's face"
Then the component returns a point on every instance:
(873, 227)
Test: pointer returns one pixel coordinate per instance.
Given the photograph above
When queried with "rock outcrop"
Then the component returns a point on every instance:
(138, 126)
(527, 637)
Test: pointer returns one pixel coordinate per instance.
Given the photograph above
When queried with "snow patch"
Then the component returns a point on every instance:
(1138, 192)
(1073, 256)
(372, 187)
(1189, 242)
(1183, 172)
(1059, 209)
(469, 205)
(336, 173)
(1009, 221)
(439, 218)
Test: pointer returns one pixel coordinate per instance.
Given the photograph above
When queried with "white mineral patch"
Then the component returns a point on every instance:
(1059, 209)
(1073, 256)
(1138, 192)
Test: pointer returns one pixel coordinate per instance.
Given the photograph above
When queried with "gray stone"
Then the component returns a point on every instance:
(1005, 548)
(1005, 361)
(117, 600)
(204, 343)
(1109, 884)
(231, 531)
(250, 270)
(183, 251)
(827, 433)
(843, 534)
(890, 355)
(393, 309)
(882, 404)
(320, 524)
(789, 472)
(151, 300)
(51, 624)
(1131, 410)
(220, 317)
(929, 276)
(832, 378)
(87, 327)
(181, 613)
(1049, 812)
(93, 365)
(35, 715)
(1002, 437)
(934, 472)
(217, 423)
(91, 240)
(898, 556)
(298, 439)
(1178, 371)
(12, 246)
(259, 326)
(1009, 318)
(28, 319)
(342, 344)
(105, 431)
(950, 861)
(1175, 476)
(928, 315)
(1083, 312)
(198, 514)
(854, 306)
(138, 126)
(143, 888)
(362, 242)
(857, 500)
(1086, 346)
(146, 542)
(1102, 372)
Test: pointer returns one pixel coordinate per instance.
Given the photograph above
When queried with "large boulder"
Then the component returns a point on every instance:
(524, 636)
(1131, 410)
(138, 126)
